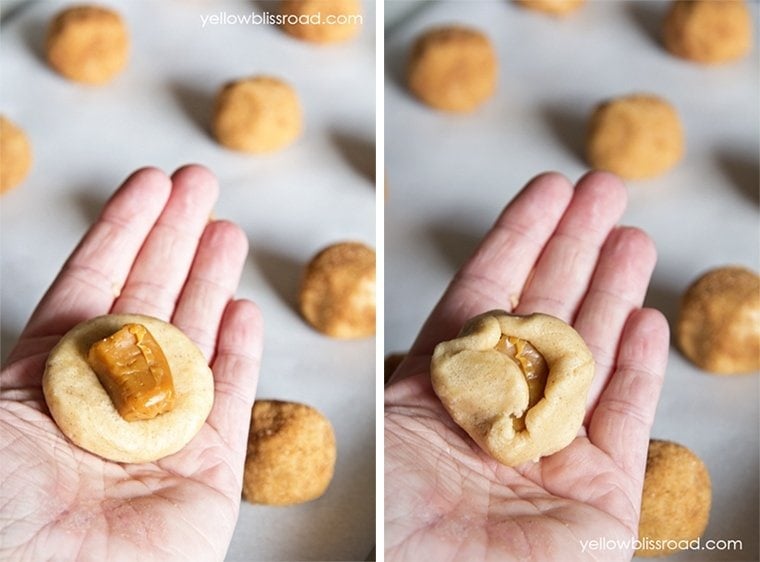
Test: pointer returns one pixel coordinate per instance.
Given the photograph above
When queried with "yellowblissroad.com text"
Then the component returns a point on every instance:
(268, 18)
(647, 543)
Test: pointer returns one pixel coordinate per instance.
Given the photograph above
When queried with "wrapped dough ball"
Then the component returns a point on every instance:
(321, 21)
(256, 115)
(87, 44)
(708, 31)
(636, 137)
(553, 7)
(675, 502)
(718, 326)
(516, 384)
(291, 454)
(452, 68)
(15, 155)
(337, 294)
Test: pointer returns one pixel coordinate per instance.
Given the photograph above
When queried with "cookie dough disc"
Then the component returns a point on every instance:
(258, 114)
(85, 414)
(337, 294)
(291, 454)
(553, 7)
(453, 68)
(636, 137)
(708, 31)
(675, 503)
(15, 155)
(87, 44)
(718, 326)
(321, 21)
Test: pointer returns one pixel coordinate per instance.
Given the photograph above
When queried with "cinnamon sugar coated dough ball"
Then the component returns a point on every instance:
(87, 44)
(554, 7)
(453, 68)
(322, 21)
(84, 412)
(256, 115)
(675, 502)
(337, 294)
(291, 454)
(15, 155)
(708, 31)
(718, 326)
(637, 136)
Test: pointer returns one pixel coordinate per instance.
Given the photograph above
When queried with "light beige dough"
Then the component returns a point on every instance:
(15, 155)
(321, 21)
(85, 414)
(516, 414)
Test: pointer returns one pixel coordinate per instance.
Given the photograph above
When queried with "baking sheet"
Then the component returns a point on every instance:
(86, 140)
(450, 175)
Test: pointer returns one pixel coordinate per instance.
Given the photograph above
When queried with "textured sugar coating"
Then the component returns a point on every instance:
(553, 7)
(321, 21)
(257, 115)
(718, 326)
(291, 454)
(85, 414)
(708, 31)
(87, 44)
(487, 394)
(337, 295)
(15, 155)
(453, 68)
(675, 502)
(636, 137)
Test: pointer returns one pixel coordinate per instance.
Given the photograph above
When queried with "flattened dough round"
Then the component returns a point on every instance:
(85, 414)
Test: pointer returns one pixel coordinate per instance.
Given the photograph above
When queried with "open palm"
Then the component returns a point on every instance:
(555, 249)
(152, 251)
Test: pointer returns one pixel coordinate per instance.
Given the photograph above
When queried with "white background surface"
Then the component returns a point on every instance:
(86, 140)
(450, 175)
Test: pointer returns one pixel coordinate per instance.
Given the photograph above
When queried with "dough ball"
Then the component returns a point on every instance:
(553, 7)
(337, 294)
(321, 21)
(452, 68)
(636, 137)
(516, 384)
(15, 155)
(85, 413)
(718, 326)
(258, 114)
(675, 502)
(708, 31)
(87, 44)
(291, 454)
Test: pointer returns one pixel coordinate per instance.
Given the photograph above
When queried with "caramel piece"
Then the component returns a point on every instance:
(132, 368)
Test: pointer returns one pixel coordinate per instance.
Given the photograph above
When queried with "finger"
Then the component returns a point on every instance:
(617, 289)
(160, 270)
(564, 270)
(622, 420)
(94, 274)
(236, 373)
(213, 279)
(494, 275)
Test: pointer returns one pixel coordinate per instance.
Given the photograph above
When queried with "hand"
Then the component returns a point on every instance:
(154, 244)
(554, 250)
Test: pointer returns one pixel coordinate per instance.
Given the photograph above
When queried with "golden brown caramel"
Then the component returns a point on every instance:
(533, 366)
(133, 369)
